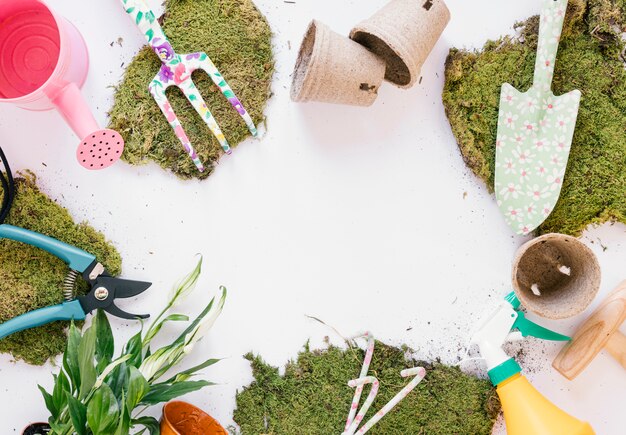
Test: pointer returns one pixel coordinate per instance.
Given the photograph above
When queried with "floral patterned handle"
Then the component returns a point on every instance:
(550, 28)
(145, 19)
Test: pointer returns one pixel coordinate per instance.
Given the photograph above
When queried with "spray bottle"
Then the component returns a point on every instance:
(526, 411)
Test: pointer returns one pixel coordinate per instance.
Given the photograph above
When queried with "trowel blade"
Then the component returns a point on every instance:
(535, 131)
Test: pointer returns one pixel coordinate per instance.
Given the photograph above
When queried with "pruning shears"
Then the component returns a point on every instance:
(103, 288)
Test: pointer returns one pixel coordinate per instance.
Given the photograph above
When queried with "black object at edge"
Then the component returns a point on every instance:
(8, 185)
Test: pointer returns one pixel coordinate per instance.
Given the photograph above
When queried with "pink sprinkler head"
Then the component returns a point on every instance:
(100, 149)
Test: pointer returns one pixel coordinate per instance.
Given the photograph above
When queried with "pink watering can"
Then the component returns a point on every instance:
(43, 63)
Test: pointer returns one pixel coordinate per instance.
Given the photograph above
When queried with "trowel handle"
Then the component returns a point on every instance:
(550, 28)
(144, 18)
(616, 346)
(599, 331)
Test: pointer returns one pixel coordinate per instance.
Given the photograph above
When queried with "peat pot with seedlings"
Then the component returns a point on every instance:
(556, 276)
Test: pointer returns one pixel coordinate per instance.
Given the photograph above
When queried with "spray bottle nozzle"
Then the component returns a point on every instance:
(528, 328)
(497, 328)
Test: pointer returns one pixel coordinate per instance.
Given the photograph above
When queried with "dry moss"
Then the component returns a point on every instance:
(590, 58)
(30, 278)
(313, 397)
(238, 39)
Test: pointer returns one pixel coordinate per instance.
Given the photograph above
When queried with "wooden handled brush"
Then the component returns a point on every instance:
(600, 331)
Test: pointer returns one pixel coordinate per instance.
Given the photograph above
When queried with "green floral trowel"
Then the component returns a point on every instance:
(535, 132)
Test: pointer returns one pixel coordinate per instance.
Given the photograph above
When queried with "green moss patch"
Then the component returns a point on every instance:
(238, 39)
(591, 58)
(313, 396)
(30, 278)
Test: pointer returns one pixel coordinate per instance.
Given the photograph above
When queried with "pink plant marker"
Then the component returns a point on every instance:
(352, 423)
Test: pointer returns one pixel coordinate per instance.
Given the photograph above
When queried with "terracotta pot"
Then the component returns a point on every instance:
(334, 69)
(37, 429)
(556, 276)
(181, 418)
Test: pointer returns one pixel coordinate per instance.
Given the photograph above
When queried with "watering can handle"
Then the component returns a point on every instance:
(144, 18)
(550, 28)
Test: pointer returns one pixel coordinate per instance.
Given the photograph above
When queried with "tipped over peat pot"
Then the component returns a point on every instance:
(334, 69)
(556, 276)
(403, 33)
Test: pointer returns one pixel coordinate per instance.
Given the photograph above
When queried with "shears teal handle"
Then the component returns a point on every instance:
(75, 258)
(65, 311)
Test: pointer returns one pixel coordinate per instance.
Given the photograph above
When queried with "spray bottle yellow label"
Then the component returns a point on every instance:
(527, 412)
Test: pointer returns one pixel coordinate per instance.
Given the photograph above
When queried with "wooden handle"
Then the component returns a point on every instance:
(595, 334)
(617, 347)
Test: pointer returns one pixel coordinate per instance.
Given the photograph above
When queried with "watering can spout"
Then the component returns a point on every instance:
(74, 109)
(98, 148)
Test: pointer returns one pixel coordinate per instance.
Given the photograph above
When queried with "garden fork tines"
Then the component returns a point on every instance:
(176, 70)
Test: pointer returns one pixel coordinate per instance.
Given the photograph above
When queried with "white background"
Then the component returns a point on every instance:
(365, 218)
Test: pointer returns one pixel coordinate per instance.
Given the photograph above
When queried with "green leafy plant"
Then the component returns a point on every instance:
(95, 393)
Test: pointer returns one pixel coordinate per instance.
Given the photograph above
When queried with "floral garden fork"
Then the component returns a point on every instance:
(176, 70)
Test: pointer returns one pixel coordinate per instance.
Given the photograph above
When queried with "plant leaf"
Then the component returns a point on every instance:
(161, 361)
(139, 17)
(86, 354)
(154, 330)
(103, 411)
(60, 427)
(123, 426)
(138, 387)
(192, 370)
(181, 337)
(108, 369)
(61, 386)
(134, 348)
(165, 392)
(52, 408)
(70, 357)
(180, 290)
(78, 414)
(150, 423)
(105, 344)
(117, 380)
(203, 322)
